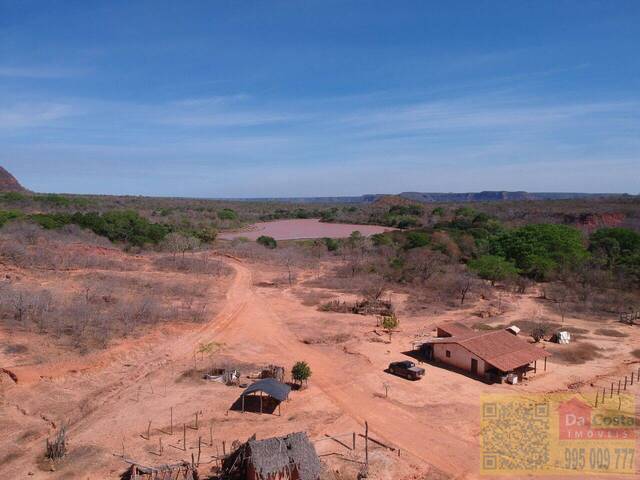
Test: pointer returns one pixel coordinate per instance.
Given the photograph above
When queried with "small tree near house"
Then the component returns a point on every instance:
(390, 323)
(301, 372)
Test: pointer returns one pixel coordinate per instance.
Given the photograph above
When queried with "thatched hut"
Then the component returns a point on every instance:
(292, 457)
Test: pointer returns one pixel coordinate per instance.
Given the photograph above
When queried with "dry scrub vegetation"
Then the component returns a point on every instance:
(75, 287)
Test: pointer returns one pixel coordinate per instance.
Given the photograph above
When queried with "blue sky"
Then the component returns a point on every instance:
(271, 98)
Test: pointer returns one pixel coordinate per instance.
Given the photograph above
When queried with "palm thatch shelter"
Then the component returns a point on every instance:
(292, 457)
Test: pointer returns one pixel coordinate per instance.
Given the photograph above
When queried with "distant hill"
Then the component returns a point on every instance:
(496, 196)
(433, 197)
(8, 182)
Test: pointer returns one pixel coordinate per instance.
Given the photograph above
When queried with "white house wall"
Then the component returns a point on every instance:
(460, 357)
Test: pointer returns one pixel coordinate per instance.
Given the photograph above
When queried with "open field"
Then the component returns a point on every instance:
(108, 396)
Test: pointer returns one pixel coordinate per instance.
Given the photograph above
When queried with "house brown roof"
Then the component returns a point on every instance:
(499, 348)
(454, 328)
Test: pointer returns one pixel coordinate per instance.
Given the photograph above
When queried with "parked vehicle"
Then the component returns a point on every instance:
(406, 369)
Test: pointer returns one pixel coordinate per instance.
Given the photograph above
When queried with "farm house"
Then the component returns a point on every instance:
(495, 355)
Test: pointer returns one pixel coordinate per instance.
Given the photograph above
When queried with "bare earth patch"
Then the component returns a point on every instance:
(610, 332)
(576, 354)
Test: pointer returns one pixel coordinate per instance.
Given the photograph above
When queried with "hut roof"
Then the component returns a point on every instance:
(270, 386)
(288, 453)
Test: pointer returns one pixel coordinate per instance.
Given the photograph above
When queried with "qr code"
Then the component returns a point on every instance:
(515, 435)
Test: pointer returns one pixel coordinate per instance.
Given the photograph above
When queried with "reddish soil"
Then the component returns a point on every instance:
(107, 398)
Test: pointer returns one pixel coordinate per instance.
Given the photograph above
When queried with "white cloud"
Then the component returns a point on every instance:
(469, 114)
(27, 115)
(40, 72)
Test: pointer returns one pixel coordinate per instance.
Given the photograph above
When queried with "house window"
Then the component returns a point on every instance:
(448, 353)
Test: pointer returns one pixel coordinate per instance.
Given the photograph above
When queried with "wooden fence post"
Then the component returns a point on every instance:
(366, 444)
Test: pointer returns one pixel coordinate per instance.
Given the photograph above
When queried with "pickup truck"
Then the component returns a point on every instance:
(406, 369)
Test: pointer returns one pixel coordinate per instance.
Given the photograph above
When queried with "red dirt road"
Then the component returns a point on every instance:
(108, 398)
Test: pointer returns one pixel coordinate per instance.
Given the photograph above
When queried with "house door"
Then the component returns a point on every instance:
(474, 366)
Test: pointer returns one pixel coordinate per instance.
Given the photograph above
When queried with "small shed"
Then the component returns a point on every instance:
(292, 457)
(276, 391)
(562, 337)
(513, 329)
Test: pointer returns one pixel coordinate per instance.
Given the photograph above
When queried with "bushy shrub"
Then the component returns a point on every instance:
(227, 214)
(6, 215)
(417, 239)
(266, 241)
(415, 210)
(331, 243)
(118, 226)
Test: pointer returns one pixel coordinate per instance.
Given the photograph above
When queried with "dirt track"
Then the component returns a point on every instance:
(109, 400)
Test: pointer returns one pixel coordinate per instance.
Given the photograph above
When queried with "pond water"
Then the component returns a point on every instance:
(302, 228)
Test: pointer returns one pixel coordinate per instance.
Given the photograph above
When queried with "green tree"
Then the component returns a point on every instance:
(206, 234)
(380, 239)
(493, 268)
(417, 239)
(416, 210)
(331, 243)
(227, 214)
(268, 242)
(614, 244)
(541, 249)
(389, 324)
(301, 372)
(406, 221)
